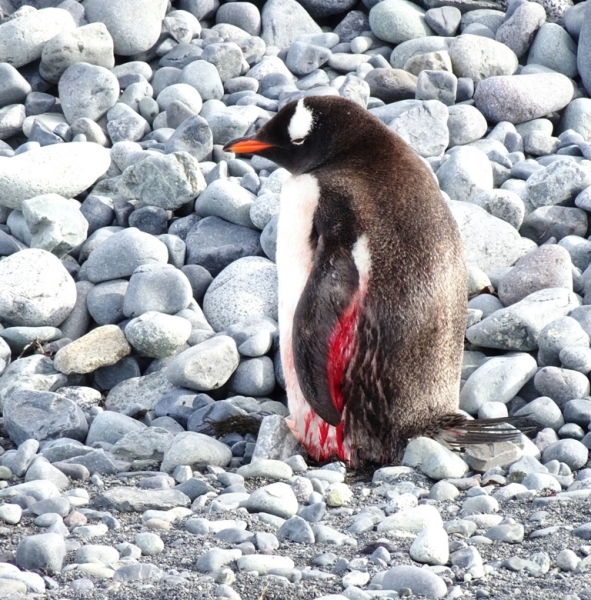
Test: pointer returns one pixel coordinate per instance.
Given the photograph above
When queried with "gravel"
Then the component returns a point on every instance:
(138, 301)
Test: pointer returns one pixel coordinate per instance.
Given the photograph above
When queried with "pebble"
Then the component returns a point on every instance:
(195, 449)
(419, 581)
(398, 21)
(45, 551)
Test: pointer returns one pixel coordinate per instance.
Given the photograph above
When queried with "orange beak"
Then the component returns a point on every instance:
(246, 146)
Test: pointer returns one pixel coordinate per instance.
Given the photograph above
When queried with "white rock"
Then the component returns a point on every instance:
(431, 546)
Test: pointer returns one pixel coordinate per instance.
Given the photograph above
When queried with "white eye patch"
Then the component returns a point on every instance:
(301, 123)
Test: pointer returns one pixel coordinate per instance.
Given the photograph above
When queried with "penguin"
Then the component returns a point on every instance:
(372, 287)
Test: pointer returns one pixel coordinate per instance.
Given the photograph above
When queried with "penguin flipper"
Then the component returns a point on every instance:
(324, 332)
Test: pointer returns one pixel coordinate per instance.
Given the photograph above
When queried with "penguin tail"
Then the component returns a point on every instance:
(457, 431)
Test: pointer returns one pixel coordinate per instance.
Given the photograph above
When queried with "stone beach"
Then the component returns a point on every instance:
(138, 301)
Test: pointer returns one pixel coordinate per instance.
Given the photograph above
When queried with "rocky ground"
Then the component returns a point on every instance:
(138, 301)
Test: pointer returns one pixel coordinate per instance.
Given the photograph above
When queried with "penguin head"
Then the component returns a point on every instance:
(303, 135)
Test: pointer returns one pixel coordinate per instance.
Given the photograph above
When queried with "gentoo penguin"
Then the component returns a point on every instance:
(372, 286)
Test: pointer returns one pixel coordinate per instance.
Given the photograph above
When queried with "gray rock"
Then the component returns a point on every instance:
(434, 460)
(297, 530)
(398, 21)
(561, 385)
(304, 58)
(275, 440)
(498, 379)
(203, 419)
(22, 39)
(546, 267)
(480, 58)
(578, 411)
(584, 50)
(576, 358)
(14, 87)
(519, 29)
(195, 450)
(18, 338)
(36, 289)
(56, 224)
(419, 581)
(12, 118)
(577, 116)
(134, 27)
(254, 377)
(424, 127)
(558, 183)
(193, 136)
(247, 287)
(138, 572)
(503, 204)
(443, 20)
(283, 21)
(465, 124)
(204, 77)
(244, 15)
(571, 452)
(543, 411)
(554, 48)
(89, 44)
(553, 222)
(87, 91)
(228, 200)
(182, 92)
(206, 366)
(122, 253)
(511, 533)
(391, 85)
(149, 543)
(276, 498)
(65, 169)
(42, 416)
(156, 334)
(465, 173)
(124, 124)
(105, 301)
(226, 57)
(44, 551)
(130, 499)
(213, 560)
(522, 97)
(518, 326)
(109, 426)
(437, 85)
(157, 287)
(560, 333)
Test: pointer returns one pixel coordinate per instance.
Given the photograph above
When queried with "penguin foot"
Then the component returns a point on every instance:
(294, 430)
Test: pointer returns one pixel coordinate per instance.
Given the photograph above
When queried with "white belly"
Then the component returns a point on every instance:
(299, 199)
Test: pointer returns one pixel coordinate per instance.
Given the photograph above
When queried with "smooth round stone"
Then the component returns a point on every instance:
(567, 560)
(465, 173)
(65, 169)
(555, 49)
(391, 85)
(36, 289)
(206, 366)
(195, 449)
(520, 27)
(304, 58)
(215, 243)
(554, 222)
(466, 124)
(105, 301)
(420, 581)
(246, 288)
(204, 77)
(511, 533)
(14, 87)
(503, 204)
(149, 543)
(100, 347)
(561, 385)
(433, 459)
(480, 58)
(545, 267)
(243, 14)
(497, 379)
(543, 411)
(576, 358)
(571, 452)
(155, 287)
(411, 521)
(338, 494)
(109, 426)
(134, 26)
(156, 334)
(283, 21)
(557, 183)
(297, 530)
(562, 332)
(20, 337)
(12, 118)
(518, 326)
(90, 44)
(122, 253)
(22, 39)
(272, 469)
(577, 116)
(45, 551)
(398, 21)
(228, 200)
(276, 498)
(87, 91)
(10, 513)
(254, 377)
(522, 97)
(431, 546)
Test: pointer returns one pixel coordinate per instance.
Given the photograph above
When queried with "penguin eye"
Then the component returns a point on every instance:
(298, 142)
